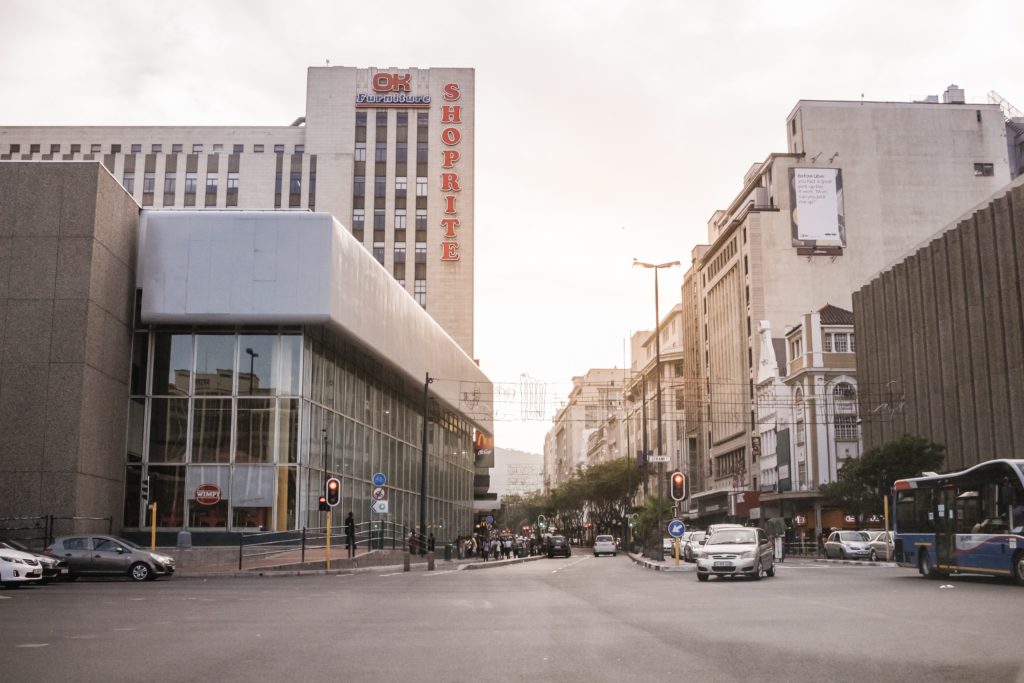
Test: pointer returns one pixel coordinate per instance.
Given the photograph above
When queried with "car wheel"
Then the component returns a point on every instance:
(758, 570)
(1018, 568)
(140, 571)
(615, 554)
(842, 553)
(702, 577)
(874, 557)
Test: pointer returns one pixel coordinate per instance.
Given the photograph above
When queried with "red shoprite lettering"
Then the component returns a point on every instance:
(449, 203)
(449, 251)
(450, 137)
(450, 92)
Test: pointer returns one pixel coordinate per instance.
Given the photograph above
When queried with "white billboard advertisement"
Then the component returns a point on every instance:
(816, 198)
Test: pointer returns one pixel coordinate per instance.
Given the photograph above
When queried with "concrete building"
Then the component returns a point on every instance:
(388, 152)
(594, 395)
(860, 184)
(939, 338)
(231, 359)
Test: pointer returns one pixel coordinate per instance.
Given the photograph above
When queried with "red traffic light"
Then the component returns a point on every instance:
(324, 507)
(678, 486)
(333, 491)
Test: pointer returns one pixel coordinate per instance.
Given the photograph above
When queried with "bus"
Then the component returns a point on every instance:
(968, 522)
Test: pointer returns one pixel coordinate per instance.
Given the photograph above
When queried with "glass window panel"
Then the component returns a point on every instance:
(172, 364)
(316, 460)
(208, 494)
(256, 364)
(211, 430)
(348, 448)
(288, 365)
(288, 431)
(330, 376)
(215, 364)
(255, 430)
(136, 429)
(132, 494)
(252, 496)
(166, 489)
(317, 373)
(168, 430)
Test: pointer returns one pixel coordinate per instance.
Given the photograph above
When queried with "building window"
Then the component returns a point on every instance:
(358, 219)
(399, 252)
(197, 148)
(300, 149)
(401, 282)
(421, 152)
(157, 148)
(176, 148)
(129, 182)
(136, 148)
(237, 149)
(96, 148)
(421, 219)
(379, 186)
(15, 148)
(378, 252)
(402, 152)
(32, 149)
(984, 169)
(400, 185)
(55, 149)
(148, 181)
(279, 149)
(218, 148)
(257, 149)
(422, 119)
(360, 118)
(420, 292)
(115, 149)
(839, 342)
(846, 427)
(359, 186)
(382, 118)
(295, 182)
(232, 183)
(170, 183)
(827, 343)
(853, 346)
(421, 252)
(378, 219)
(800, 432)
(75, 149)
(844, 390)
(399, 219)
(382, 151)
(190, 183)
(796, 348)
(421, 187)
(360, 151)
(211, 183)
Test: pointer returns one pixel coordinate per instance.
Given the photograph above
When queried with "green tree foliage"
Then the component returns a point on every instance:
(863, 481)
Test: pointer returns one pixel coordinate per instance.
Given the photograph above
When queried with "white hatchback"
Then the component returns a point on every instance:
(18, 568)
(605, 545)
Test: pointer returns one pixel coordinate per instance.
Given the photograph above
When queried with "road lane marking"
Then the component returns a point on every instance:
(33, 645)
(81, 637)
(571, 564)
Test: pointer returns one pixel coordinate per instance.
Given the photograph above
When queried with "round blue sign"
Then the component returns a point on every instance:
(379, 479)
(676, 528)
(490, 519)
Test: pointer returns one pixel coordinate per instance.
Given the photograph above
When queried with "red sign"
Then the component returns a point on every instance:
(391, 82)
(451, 136)
(207, 494)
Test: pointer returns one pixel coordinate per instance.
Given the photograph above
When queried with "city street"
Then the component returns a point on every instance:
(575, 619)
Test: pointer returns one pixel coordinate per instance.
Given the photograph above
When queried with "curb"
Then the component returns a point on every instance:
(660, 567)
(501, 563)
(269, 573)
(859, 563)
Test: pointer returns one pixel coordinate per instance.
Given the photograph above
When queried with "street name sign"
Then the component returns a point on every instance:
(676, 528)
(659, 458)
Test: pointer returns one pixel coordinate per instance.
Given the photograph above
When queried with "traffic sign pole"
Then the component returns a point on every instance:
(328, 539)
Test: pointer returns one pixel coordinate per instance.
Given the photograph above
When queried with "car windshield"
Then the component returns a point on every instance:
(733, 536)
(855, 536)
(13, 545)
(604, 539)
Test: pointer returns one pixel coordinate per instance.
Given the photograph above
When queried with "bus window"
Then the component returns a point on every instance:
(968, 512)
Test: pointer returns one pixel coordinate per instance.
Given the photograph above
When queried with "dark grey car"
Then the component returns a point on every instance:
(96, 555)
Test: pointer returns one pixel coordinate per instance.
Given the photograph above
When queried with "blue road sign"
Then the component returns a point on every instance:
(379, 479)
(490, 519)
(676, 528)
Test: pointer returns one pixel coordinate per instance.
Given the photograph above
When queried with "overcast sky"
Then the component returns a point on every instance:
(604, 130)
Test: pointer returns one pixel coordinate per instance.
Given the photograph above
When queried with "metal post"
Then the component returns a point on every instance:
(423, 465)
(241, 538)
(328, 548)
(643, 431)
(660, 552)
(302, 556)
(152, 526)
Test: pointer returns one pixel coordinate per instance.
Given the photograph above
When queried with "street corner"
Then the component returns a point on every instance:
(666, 566)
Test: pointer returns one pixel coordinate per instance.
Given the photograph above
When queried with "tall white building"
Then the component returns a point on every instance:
(388, 152)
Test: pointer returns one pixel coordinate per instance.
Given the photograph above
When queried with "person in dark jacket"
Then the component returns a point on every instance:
(350, 535)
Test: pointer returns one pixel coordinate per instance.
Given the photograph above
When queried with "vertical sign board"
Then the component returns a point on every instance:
(817, 215)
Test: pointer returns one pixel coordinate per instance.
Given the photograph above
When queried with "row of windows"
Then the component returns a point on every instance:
(380, 186)
(171, 182)
(359, 219)
(840, 342)
(401, 118)
(155, 148)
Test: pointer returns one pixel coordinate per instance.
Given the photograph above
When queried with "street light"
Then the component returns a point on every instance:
(252, 359)
(660, 551)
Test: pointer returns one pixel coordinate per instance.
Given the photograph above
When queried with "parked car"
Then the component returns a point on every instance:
(53, 568)
(109, 556)
(740, 551)
(667, 544)
(690, 542)
(882, 547)
(605, 545)
(873, 533)
(558, 545)
(847, 545)
(18, 568)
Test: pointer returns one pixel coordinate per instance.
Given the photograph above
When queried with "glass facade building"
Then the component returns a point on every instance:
(238, 428)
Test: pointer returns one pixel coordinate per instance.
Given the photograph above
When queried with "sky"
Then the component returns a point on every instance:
(605, 130)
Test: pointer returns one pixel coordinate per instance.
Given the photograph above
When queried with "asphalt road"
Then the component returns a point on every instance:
(575, 619)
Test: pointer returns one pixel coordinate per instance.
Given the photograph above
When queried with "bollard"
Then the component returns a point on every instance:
(405, 564)
(430, 561)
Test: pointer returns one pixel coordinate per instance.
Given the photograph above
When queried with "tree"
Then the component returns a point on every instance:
(864, 481)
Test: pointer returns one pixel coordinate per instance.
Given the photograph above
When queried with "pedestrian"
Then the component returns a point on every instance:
(350, 535)
(508, 548)
(485, 550)
(430, 542)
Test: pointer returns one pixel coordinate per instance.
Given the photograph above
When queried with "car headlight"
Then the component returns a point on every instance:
(700, 554)
(747, 555)
(15, 560)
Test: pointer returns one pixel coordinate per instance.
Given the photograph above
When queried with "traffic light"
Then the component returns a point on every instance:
(145, 489)
(678, 486)
(324, 507)
(333, 492)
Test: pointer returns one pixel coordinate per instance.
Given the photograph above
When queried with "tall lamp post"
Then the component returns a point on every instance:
(252, 361)
(659, 552)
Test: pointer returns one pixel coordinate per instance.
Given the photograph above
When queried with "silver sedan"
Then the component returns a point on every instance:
(736, 552)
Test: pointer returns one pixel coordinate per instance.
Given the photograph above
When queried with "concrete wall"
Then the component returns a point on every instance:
(941, 339)
(67, 283)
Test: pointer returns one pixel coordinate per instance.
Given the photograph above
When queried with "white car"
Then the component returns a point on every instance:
(18, 568)
(605, 545)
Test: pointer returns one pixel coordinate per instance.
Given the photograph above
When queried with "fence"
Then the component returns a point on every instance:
(40, 531)
(291, 547)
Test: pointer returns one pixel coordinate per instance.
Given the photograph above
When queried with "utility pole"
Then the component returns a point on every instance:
(423, 466)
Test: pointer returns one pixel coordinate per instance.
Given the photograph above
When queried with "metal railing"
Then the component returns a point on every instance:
(292, 547)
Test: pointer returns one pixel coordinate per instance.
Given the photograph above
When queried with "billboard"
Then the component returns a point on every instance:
(816, 201)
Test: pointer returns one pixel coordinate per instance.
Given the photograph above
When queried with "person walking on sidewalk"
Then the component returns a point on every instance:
(350, 535)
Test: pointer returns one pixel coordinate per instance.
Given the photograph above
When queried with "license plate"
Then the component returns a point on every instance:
(722, 565)
(64, 570)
